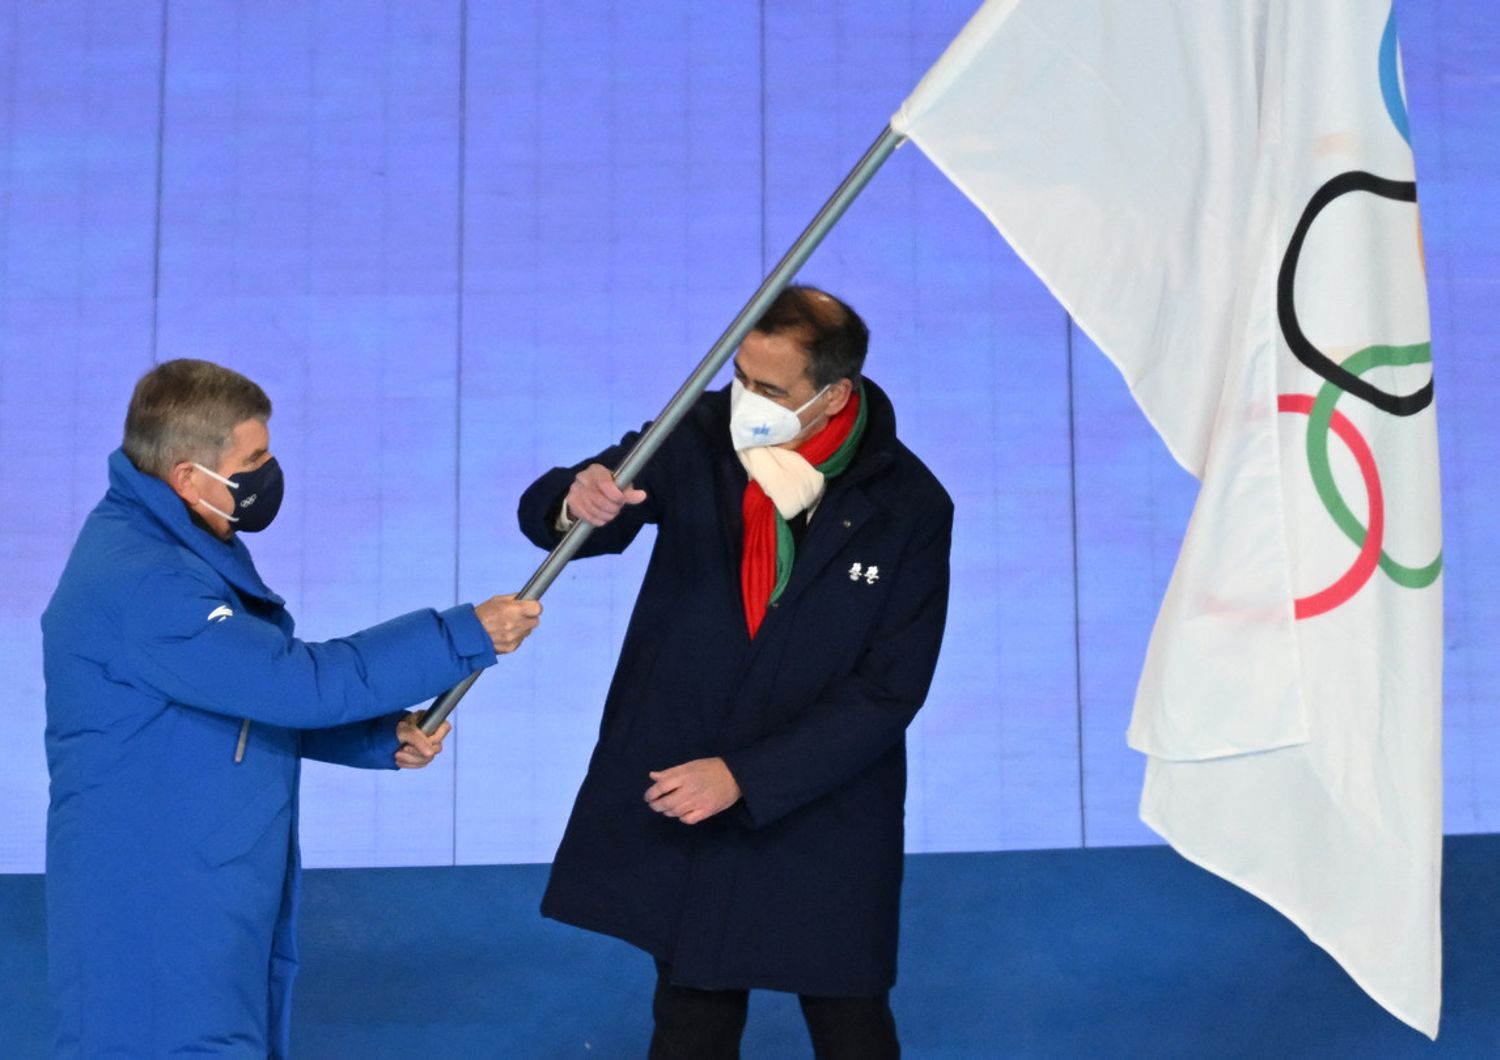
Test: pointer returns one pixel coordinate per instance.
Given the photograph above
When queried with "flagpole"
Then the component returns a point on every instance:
(647, 445)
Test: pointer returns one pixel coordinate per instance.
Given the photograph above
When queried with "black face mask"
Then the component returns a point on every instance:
(257, 496)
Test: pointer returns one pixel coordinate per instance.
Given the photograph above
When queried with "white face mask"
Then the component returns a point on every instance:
(755, 420)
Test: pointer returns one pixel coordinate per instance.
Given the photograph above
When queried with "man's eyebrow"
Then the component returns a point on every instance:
(253, 457)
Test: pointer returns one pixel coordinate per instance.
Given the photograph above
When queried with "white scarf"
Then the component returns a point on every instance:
(789, 480)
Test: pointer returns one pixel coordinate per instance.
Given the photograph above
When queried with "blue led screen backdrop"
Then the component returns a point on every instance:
(462, 242)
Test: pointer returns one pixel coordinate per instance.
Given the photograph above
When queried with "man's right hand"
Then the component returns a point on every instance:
(596, 499)
(508, 620)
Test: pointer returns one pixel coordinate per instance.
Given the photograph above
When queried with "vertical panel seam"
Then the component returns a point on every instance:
(1083, 828)
(458, 356)
(161, 138)
(765, 266)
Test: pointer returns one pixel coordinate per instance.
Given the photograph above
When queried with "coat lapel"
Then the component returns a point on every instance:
(838, 518)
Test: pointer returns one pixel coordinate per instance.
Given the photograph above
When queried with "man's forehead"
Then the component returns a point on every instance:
(781, 354)
(249, 437)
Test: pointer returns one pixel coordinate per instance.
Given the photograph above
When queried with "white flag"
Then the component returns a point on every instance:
(1222, 194)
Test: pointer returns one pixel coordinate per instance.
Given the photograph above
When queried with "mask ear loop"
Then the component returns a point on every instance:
(232, 485)
(214, 474)
(803, 407)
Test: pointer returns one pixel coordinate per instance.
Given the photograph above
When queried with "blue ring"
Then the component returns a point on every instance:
(1390, 79)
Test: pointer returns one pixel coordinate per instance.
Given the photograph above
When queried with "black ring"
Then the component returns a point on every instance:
(1286, 309)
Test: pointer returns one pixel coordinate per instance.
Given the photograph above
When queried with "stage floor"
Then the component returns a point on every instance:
(1069, 953)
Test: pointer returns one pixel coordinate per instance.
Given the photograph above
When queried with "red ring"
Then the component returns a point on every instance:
(1369, 555)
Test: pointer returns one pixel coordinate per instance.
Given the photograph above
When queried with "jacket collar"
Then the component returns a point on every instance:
(157, 503)
(877, 451)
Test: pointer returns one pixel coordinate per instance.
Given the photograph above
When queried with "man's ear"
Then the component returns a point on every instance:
(838, 397)
(180, 479)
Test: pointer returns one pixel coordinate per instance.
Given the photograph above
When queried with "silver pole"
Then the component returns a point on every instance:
(648, 443)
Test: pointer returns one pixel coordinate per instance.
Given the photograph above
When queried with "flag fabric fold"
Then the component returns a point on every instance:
(1223, 196)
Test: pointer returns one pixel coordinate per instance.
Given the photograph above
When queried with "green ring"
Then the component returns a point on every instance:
(1322, 472)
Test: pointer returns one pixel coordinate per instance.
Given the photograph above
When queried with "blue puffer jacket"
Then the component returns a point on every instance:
(172, 866)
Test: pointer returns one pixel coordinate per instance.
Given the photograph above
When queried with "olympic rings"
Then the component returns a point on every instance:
(1348, 376)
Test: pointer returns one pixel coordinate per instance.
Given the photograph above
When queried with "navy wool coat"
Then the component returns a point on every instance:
(797, 887)
(172, 868)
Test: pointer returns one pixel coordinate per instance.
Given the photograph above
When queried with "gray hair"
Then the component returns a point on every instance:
(188, 410)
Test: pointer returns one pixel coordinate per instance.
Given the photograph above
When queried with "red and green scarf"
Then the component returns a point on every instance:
(766, 563)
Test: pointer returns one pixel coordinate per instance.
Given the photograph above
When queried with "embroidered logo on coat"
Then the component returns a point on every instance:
(220, 613)
(870, 574)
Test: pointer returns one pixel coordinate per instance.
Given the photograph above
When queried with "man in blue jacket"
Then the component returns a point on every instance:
(741, 818)
(179, 707)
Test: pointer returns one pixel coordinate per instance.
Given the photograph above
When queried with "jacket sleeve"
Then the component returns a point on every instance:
(362, 744)
(246, 667)
(860, 717)
(543, 499)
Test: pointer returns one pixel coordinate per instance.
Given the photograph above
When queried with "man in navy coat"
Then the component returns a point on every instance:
(741, 818)
(179, 707)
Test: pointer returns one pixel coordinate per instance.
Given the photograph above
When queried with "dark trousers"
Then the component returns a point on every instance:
(707, 1024)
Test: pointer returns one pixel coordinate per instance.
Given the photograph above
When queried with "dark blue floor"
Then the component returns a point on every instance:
(1098, 953)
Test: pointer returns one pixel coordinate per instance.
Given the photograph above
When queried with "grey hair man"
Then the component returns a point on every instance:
(180, 705)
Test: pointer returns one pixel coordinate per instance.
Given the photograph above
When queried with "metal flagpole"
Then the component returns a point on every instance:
(671, 416)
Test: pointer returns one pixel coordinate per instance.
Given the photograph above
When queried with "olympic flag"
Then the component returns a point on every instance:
(1223, 196)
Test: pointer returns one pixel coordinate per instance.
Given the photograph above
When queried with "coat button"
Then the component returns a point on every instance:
(847, 524)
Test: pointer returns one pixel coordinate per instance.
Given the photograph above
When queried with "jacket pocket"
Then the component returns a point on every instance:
(245, 825)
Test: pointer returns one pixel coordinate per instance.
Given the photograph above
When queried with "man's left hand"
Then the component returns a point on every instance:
(693, 791)
(417, 748)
